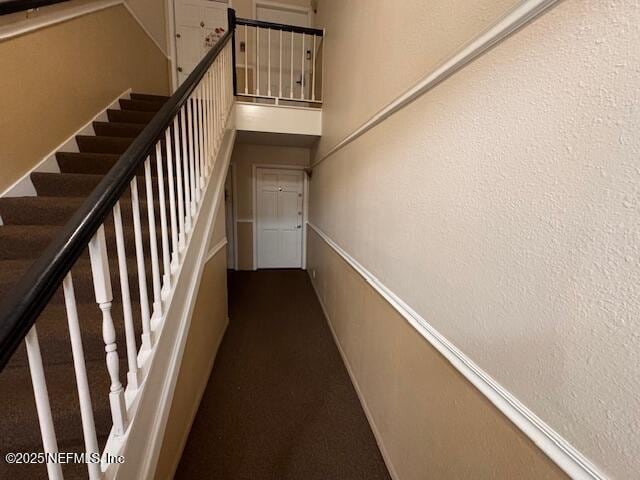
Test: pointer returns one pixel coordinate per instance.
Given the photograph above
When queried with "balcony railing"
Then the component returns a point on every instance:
(280, 64)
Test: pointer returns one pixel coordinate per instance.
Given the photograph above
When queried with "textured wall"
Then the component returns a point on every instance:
(60, 77)
(152, 14)
(377, 50)
(504, 207)
(434, 423)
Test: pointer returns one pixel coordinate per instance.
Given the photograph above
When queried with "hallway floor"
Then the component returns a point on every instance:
(279, 404)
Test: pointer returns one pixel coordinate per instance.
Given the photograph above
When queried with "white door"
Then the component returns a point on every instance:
(199, 25)
(279, 220)
(286, 16)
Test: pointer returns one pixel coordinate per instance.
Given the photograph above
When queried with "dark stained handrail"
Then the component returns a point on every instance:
(280, 26)
(20, 309)
(14, 6)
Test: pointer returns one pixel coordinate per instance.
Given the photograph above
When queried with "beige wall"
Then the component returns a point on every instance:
(153, 15)
(208, 324)
(58, 78)
(244, 157)
(435, 424)
(375, 53)
(503, 208)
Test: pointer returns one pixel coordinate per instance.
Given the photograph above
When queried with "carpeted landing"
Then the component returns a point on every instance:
(279, 404)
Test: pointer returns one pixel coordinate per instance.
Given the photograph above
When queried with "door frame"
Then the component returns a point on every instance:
(305, 206)
(282, 6)
(234, 215)
(170, 7)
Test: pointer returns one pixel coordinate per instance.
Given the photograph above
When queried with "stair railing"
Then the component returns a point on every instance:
(278, 63)
(180, 145)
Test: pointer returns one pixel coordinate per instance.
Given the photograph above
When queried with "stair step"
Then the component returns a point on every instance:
(141, 105)
(23, 242)
(19, 419)
(53, 334)
(54, 210)
(99, 144)
(89, 163)
(12, 270)
(115, 129)
(64, 184)
(129, 116)
(149, 98)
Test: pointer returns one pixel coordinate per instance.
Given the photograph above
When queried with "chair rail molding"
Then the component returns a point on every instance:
(558, 449)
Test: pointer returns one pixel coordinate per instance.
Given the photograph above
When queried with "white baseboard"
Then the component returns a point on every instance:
(23, 187)
(356, 386)
(559, 450)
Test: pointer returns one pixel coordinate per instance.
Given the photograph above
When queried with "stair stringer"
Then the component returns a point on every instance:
(150, 405)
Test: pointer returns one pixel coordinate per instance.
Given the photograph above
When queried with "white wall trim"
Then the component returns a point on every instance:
(234, 194)
(520, 16)
(153, 39)
(363, 401)
(53, 16)
(216, 249)
(282, 6)
(23, 187)
(558, 449)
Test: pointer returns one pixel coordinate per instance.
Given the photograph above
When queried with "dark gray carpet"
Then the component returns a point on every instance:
(279, 404)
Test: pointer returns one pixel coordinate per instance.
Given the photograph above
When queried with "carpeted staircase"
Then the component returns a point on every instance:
(30, 223)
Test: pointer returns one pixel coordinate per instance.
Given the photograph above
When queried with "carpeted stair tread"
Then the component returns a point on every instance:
(56, 210)
(11, 270)
(129, 116)
(53, 334)
(100, 144)
(149, 97)
(141, 105)
(115, 129)
(91, 163)
(21, 242)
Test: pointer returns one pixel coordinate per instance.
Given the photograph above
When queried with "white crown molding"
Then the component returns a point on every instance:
(53, 15)
(549, 441)
(520, 16)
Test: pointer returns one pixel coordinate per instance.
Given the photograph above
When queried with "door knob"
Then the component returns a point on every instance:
(279, 189)
(299, 226)
(202, 24)
(179, 69)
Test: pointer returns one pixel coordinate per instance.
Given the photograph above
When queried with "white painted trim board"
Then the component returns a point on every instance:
(559, 450)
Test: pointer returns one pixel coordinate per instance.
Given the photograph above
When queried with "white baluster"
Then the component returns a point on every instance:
(201, 132)
(258, 61)
(133, 380)
(172, 196)
(291, 81)
(302, 82)
(82, 382)
(269, 63)
(313, 71)
(47, 430)
(185, 173)
(280, 67)
(104, 298)
(197, 128)
(147, 338)
(246, 61)
(192, 162)
(153, 243)
(164, 229)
